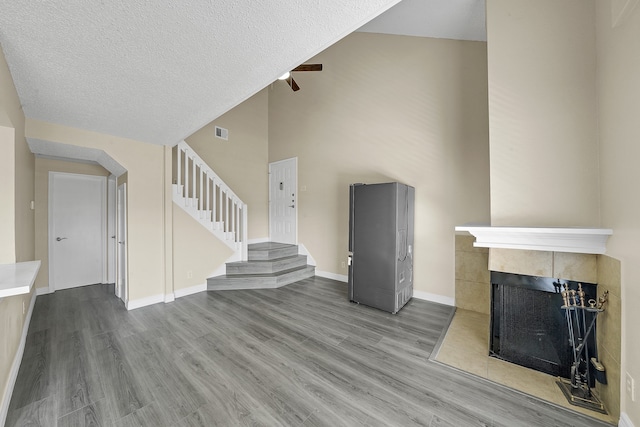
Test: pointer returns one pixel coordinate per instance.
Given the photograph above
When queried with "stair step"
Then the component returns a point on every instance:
(260, 281)
(266, 267)
(268, 251)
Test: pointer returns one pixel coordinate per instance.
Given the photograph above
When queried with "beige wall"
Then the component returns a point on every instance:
(10, 113)
(16, 217)
(16, 176)
(388, 108)
(25, 172)
(562, 107)
(145, 199)
(43, 167)
(7, 191)
(242, 161)
(542, 113)
(196, 252)
(618, 105)
(12, 320)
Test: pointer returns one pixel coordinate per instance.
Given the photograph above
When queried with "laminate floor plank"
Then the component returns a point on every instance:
(227, 400)
(124, 386)
(299, 355)
(231, 356)
(176, 396)
(149, 415)
(35, 373)
(41, 413)
(97, 414)
(78, 383)
(339, 390)
(316, 313)
(43, 312)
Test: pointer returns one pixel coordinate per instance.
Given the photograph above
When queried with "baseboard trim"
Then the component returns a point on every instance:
(169, 298)
(302, 250)
(333, 276)
(434, 298)
(17, 360)
(43, 291)
(416, 294)
(179, 293)
(625, 421)
(132, 304)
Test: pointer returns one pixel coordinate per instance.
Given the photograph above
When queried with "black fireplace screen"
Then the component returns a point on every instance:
(528, 327)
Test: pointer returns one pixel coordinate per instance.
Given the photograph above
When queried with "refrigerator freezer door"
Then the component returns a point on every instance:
(373, 243)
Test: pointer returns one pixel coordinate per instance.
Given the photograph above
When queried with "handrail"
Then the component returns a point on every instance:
(217, 206)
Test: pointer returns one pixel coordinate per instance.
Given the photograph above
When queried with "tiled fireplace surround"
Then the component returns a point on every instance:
(473, 292)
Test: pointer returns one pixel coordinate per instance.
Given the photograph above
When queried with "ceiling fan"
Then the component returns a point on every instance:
(304, 67)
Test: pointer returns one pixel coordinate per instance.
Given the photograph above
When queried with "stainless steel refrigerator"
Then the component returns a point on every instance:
(381, 245)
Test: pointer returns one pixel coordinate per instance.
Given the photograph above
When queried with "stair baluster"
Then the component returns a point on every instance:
(223, 214)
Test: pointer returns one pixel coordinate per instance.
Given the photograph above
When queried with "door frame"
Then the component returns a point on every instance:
(297, 196)
(50, 221)
(111, 229)
(121, 290)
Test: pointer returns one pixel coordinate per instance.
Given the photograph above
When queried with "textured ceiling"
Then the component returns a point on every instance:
(157, 71)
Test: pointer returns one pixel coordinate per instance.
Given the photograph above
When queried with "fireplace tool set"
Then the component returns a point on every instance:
(581, 320)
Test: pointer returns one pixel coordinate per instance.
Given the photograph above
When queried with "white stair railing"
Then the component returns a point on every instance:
(204, 195)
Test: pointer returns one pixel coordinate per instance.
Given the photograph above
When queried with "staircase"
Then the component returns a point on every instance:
(269, 265)
(204, 196)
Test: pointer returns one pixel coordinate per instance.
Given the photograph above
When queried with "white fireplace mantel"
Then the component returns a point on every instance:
(556, 239)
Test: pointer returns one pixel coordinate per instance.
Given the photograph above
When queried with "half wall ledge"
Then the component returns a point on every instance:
(555, 239)
(17, 279)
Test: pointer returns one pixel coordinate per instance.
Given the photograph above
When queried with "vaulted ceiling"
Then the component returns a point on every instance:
(157, 71)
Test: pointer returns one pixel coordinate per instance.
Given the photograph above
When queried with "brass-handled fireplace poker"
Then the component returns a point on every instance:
(577, 390)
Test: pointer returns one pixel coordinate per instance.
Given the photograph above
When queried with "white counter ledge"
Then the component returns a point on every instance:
(17, 279)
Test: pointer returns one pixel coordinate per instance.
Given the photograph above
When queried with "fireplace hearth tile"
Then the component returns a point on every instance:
(469, 332)
(466, 347)
(524, 379)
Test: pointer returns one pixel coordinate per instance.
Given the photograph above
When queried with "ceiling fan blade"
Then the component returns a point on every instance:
(308, 67)
(292, 83)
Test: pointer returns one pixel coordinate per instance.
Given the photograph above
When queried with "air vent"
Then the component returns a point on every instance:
(222, 133)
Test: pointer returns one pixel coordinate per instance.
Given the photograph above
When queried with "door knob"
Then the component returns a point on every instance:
(60, 238)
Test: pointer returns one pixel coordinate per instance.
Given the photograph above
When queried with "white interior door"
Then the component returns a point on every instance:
(77, 230)
(121, 276)
(111, 229)
(283, 197)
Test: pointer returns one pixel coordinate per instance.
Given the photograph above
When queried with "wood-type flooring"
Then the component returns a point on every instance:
(300, 355)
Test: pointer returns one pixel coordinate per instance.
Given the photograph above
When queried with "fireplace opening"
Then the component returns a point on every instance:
(528, 326)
